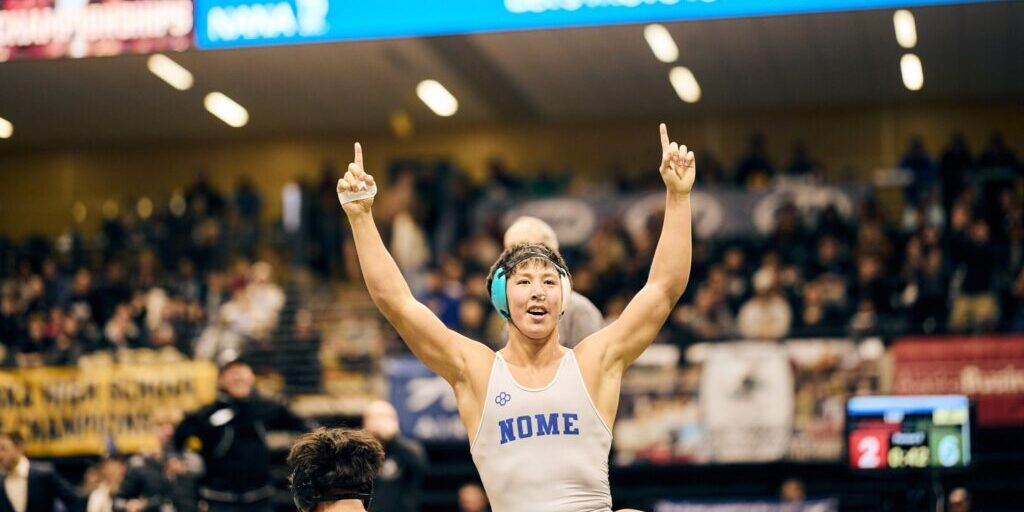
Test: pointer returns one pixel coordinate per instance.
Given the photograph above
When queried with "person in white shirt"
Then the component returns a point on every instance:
(766, 316)
(29, 487)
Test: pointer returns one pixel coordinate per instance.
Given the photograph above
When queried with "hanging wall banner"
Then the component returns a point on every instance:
(70, 411)
(237, 23)
(425, 402)
(989, 369)
(80, 28)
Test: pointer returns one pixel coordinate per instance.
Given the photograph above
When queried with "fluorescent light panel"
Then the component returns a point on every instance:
(226, 109)
(171, 72)
(6, 129)
(906, 29)
(913, 73)
(661, 43)
(437, 98)
(685, 84)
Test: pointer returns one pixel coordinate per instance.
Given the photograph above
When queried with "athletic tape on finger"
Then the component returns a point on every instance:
(363, 193)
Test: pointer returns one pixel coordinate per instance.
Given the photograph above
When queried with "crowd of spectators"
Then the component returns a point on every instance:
(182, 278)
(952, 262)
(170, 281)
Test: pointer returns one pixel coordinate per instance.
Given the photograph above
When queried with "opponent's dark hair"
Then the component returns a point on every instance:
(333, 460)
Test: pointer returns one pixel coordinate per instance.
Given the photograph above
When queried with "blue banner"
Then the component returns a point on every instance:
(425, 402)
(241, 23)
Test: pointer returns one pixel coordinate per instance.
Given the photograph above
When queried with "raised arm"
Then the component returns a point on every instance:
(627, 337)
(441, 349)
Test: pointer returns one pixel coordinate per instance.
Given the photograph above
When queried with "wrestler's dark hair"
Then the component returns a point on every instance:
(515, 257)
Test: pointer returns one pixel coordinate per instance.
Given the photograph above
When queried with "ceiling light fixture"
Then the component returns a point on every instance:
(226, 109)
(169, 71)
(685, 84)
(661, 43)
(906, 29)
(437, 98)
(913, 73)
(6, 129)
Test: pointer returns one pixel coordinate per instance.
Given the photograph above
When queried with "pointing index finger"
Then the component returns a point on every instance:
(359, 155)
(664, 137)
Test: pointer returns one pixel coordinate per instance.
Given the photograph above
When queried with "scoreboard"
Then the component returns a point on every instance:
(908, 432)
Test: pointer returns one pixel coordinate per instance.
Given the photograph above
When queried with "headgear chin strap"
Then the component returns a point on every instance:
(306, 496)
(499, 284)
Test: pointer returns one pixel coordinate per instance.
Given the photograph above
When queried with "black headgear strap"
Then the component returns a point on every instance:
(306, 496)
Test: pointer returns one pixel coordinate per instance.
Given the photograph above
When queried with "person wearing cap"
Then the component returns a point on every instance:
(581, 318)
(230, 436)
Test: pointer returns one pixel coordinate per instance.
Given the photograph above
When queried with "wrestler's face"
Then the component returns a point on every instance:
(534, 295)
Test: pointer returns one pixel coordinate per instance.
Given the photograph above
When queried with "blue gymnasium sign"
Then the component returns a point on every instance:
(241, 23)
(425, 402)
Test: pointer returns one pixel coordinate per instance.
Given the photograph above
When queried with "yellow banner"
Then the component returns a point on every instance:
(69, 411)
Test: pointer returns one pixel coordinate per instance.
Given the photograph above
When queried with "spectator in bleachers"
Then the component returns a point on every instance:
(31, 487)
(789, 239)
(801, 164)
(959, 500)
(919, 164)
(473, 320)
(873, 239)
(817, 317)
(161, 479)
(303, 373)
(754, 170)
(792, 491)
(248, 205)
(831, 223)
(327, 225)
(472, 498)
(111, 474)
(734, 288)
(399, 482)
(873, 284)
(708, 318)
(997, 154)
(712, 173)
(954, 164)
(974, 307)
(33, 345)
(766, 315)
(438, 297)
(408, 239)
(928, 294)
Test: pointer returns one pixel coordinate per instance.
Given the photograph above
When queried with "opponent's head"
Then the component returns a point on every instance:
(528, 284)
(531, 230)
(333, 464)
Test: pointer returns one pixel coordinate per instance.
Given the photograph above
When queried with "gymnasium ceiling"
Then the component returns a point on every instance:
(969, 52)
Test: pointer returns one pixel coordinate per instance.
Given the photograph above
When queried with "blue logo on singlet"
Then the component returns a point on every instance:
(502, 398)
(551, 424)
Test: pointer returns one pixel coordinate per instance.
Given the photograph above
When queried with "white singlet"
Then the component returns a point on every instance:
(542, 449)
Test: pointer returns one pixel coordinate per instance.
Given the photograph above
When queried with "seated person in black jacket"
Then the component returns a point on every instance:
(161, 479)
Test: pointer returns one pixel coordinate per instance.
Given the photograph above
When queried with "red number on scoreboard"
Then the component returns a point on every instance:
(869, 449)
